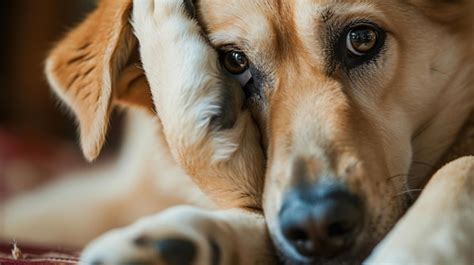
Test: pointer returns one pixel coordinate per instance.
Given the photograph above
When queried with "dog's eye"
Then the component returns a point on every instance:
(361, 40)
(360, 43)
(235, 62)
(237, 65)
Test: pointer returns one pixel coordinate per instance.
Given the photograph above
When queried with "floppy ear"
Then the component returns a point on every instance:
(87, 70)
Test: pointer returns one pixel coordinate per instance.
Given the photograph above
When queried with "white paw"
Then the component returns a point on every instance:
(180, 236)
(163, 19)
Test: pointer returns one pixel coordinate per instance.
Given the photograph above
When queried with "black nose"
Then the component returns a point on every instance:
(321, 220)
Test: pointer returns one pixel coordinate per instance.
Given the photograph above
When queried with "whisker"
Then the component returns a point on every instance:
(408, 191)
(397, 175)
(408, 175)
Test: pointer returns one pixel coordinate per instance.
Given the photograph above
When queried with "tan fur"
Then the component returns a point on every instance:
(83, 68)
(420, 238)
(314, 120)
(93, 95)
(368, 130)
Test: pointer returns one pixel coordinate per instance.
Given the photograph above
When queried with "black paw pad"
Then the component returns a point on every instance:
(176, 251)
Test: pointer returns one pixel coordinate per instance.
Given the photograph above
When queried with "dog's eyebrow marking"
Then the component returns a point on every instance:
(327, 14)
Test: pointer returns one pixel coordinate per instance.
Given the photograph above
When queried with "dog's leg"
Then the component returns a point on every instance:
(81, 206)
(209, 132)
(439, 228)
(73, 211)
(184, 236)
(68, 212)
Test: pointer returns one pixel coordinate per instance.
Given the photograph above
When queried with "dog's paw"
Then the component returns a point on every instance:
(180, 236)
(162, 17)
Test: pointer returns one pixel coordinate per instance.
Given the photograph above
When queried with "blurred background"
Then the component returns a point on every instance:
(38, 138)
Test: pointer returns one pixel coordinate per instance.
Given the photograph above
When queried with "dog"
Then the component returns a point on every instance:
(315, 120)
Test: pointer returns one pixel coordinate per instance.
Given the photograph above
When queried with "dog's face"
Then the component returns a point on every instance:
(348, 94)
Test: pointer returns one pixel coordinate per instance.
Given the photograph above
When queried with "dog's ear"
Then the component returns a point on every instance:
(93, 67)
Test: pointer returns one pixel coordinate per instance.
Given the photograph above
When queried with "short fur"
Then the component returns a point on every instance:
(376, 128)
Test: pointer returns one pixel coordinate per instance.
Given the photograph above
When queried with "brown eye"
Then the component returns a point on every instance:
(235, 62)
(361, 40)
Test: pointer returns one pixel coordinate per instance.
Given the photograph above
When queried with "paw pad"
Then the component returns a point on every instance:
(176, 251)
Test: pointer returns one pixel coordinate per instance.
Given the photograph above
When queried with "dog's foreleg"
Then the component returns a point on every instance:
(439, 228)
(79, 206)
(184, 236)
(70, 211)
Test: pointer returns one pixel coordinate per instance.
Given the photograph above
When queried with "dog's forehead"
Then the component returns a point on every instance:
(264, 24)
(245, 22)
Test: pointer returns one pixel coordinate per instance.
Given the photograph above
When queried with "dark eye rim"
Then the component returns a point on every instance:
(351, 60)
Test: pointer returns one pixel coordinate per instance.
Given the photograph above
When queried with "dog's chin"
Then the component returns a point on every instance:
(347, 258)
(287, 255)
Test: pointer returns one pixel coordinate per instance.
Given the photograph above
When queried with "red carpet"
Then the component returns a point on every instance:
(31, 255)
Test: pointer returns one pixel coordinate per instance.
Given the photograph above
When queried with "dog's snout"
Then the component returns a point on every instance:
(321, 220)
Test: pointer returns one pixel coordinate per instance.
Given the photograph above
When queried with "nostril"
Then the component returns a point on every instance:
(300, 240)
(305, 247)
(296, 234)
(339, 229)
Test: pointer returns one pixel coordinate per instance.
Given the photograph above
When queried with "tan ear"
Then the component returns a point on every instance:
(85, 67)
